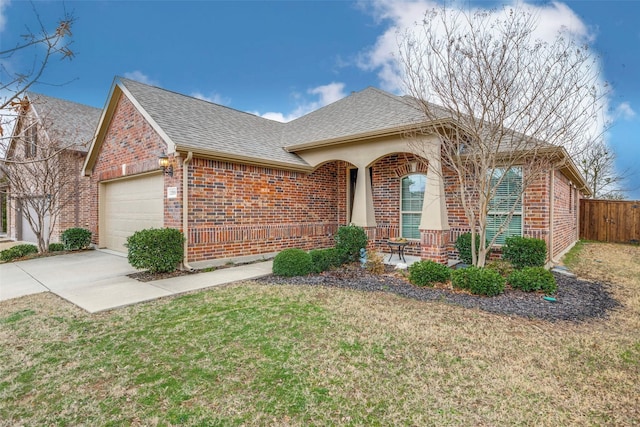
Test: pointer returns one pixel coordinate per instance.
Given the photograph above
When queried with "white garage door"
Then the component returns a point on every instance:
(130, 205)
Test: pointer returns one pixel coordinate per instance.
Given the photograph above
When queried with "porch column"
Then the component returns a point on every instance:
(362, 213)
(434, 222)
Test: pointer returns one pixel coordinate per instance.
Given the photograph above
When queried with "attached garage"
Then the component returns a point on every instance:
(130, 205)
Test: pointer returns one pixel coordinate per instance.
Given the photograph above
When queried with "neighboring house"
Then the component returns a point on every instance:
(244, 185)
(46, 153)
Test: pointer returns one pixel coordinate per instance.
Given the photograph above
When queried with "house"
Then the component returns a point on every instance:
(45, 156)
(240, 185)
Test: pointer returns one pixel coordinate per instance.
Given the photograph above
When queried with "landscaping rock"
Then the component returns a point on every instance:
(577, 300)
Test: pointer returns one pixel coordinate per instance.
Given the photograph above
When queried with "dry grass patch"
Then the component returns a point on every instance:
(251, 354)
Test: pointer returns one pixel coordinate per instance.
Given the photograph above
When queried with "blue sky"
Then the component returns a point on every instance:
(284, 59)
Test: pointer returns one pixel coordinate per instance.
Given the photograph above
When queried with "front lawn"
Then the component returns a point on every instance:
(254, 354)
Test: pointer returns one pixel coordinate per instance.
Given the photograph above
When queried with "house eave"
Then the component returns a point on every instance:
(380, 133)
(237, 158)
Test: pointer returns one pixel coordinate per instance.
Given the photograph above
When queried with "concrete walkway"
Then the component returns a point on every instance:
(97, 280)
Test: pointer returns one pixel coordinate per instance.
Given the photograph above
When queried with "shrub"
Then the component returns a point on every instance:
(158, 250)
(479, 281)
(56, 247)
(525, 251)
(375, 263)
(503, 267)
(18, 251)
(76, 238)
(324, 259)
(463, 246)
(531, 279)
(292, 262)
(349, 240)
(427, 272)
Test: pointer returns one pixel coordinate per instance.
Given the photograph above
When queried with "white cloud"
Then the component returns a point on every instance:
(624, 111)
(326, 94)
(141, 77)
(406, 15)
(214, 97)
(3, 18)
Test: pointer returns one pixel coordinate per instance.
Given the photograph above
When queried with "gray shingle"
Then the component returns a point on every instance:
(197, 124)
(65, 121)
(362, 112)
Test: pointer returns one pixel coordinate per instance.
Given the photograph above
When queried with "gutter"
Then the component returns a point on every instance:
(185, 210)
(551, 212)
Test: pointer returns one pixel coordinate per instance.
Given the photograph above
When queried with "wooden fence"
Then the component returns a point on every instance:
(610, 220)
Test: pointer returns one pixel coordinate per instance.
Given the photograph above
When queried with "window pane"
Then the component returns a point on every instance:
(413, 192)
(513, 228)
(410, 224)
(507, 191)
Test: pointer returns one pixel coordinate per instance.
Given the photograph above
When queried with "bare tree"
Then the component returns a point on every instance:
(42, 177)
(597, 165)
(505, 105)
(37, 48)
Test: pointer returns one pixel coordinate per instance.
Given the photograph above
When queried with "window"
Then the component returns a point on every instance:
(411, 198)
(31, 142)
(507, 183)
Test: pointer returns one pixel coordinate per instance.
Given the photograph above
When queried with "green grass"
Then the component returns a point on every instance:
(571, 258)
(280, 355)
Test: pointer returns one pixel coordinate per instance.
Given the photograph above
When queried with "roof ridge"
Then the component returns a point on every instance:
(196, 99)
(36, 94)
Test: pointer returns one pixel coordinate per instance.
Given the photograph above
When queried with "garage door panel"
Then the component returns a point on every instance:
(129, 206)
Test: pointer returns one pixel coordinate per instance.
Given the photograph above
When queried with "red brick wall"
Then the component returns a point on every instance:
(243, 210)
(75, 213)
(565, 214)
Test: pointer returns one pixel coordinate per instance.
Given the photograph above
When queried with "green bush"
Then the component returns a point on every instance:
(525, 251)
(479, 281)
(56, 247)
(18, 251)
(158, 250)
(531, 279)
(324, 259)
(463, 246)
(292, 262)
(427, 272)
(349, 240)
(503, 267)
(75, 239)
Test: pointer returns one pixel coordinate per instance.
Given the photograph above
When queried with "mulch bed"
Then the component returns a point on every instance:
(577, 300)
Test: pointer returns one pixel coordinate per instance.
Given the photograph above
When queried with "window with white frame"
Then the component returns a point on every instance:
(411, 197)
(507, 183)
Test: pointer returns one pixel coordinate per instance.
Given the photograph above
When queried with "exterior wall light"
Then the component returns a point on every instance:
(163, 161)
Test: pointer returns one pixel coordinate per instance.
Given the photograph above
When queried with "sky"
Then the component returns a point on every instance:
(283, 59)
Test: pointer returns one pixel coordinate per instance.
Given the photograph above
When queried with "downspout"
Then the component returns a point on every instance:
(552, 197)
(185, 210)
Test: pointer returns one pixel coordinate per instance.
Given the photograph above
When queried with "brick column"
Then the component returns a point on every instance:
(434, 245)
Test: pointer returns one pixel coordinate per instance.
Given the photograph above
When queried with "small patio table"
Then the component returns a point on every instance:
(397, 247)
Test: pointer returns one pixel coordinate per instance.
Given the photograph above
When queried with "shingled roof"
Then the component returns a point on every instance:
(369, 111)
(201, 126)
(66, 121)
(197, 125)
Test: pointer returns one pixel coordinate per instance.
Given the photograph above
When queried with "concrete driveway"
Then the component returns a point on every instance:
(97, 280)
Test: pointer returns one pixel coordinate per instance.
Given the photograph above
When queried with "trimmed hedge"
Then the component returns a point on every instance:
(18, 251)
(324, 259)
(531, 279)
(463, 246)
(75, 239)
(292, 262)
(56, 247)
(159, 250)
(479, 281)
(349, 240)
(525, 251)
(503, 267)
(427, 272)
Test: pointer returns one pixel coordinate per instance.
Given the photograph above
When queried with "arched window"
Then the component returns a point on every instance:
(411, 198)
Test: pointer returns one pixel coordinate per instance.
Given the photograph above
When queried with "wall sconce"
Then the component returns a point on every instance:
(163, 161)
